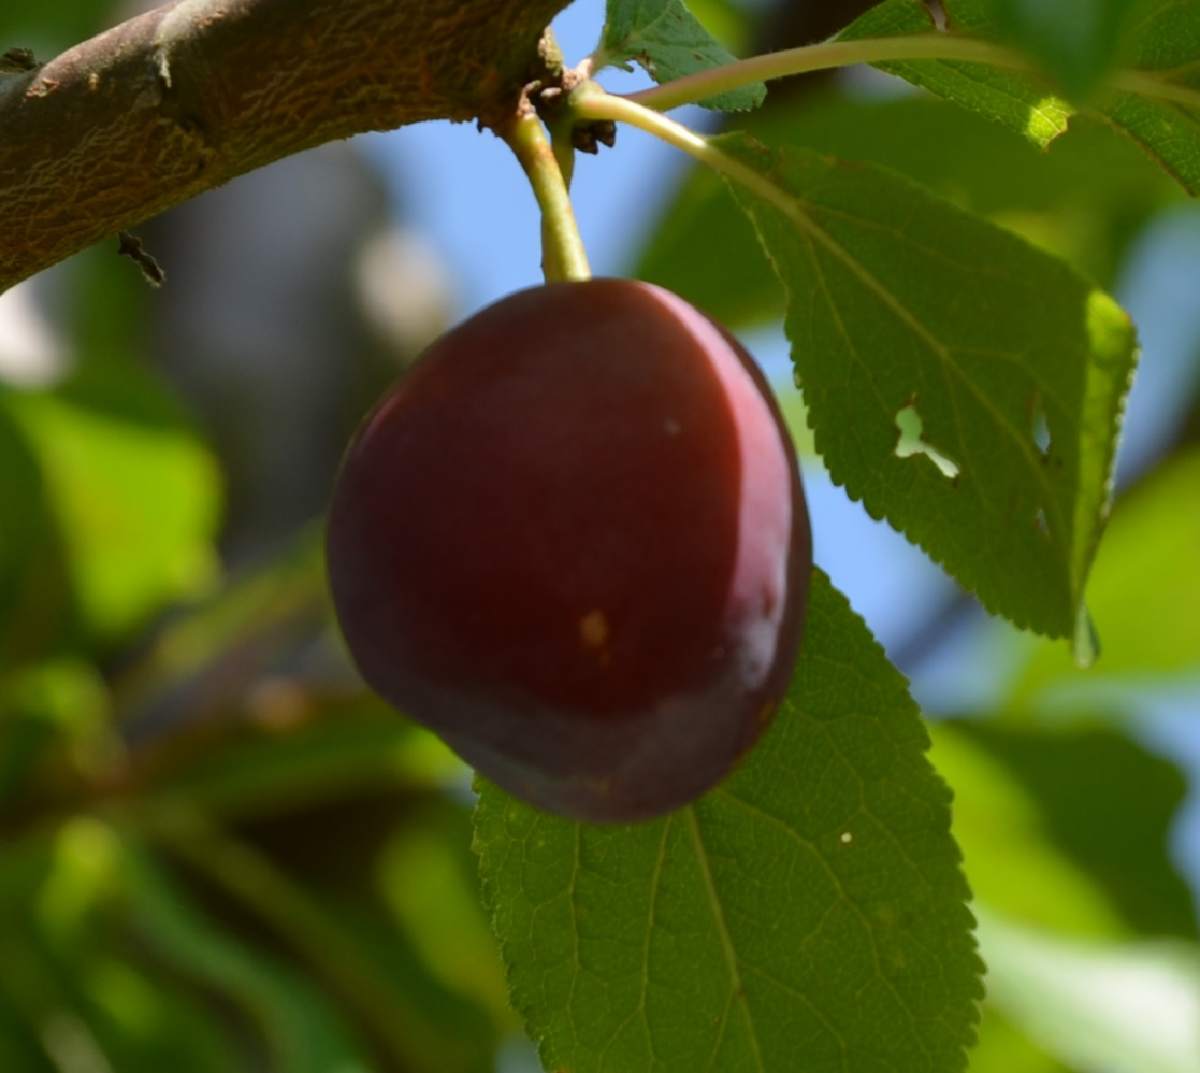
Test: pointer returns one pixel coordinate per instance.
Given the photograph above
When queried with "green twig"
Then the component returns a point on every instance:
(822, 57)
(833, 54)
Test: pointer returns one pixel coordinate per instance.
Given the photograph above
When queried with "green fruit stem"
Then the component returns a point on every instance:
(564, 258)
(833, 54)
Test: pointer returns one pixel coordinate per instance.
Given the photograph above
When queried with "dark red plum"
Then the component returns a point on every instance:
(573, 541)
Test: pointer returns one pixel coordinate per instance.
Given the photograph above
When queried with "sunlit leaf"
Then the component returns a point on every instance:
(136, 503)
(1144, 593)
(1125, 1007)
(1068, 826)
(1010, 854)
(1106, 804)
(1154, 99)
(1003, 1048)
(1014, 101)
(727, 20)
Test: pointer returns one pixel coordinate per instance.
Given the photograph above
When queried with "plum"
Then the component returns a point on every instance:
(573, 541)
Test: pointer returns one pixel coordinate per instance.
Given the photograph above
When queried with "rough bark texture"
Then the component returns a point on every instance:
(185, 97)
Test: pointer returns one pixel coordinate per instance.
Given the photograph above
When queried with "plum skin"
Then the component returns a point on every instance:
(573, 541)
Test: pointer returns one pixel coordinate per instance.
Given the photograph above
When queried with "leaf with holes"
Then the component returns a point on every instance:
(1154, 99)
(807, 914)
(964, 385)
(668, 42)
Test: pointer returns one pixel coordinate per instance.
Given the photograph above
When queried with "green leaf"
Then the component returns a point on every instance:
(1164, 118)
(1077, 40)
(357, 955)
(1083, 200)
(1014, 863)
(1064, 831)
(428, 879)
(1046, 839)
(808, 913)
(908, 315)
(35, 599)
(136, 501)
(1156, 101)
(20, 1048)
(1003, 1048)
(74, 979)
(727, 20)
(354, 746)
(1123, 1007)
(50, 26)
(300, 1028)
(668, 42)
(1104, 803)
(52, 715)
(1004, 97)
(1144, 594)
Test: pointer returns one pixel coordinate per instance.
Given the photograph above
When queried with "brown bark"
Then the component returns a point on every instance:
(185, 97)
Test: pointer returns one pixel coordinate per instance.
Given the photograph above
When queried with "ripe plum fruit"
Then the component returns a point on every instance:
(573, 541)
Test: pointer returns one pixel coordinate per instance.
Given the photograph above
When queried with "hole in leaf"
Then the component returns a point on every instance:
(911, 442)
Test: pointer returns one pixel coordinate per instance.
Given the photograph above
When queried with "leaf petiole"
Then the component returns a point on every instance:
(592, 102)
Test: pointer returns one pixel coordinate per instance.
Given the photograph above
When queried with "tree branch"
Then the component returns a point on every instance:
(191, 94)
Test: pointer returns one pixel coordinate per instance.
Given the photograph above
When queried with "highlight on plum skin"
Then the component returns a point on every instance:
(573, 541)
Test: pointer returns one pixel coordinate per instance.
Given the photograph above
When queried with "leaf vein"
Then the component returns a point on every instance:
(727, 947)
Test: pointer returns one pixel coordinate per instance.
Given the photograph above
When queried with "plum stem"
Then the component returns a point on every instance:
(564, 257)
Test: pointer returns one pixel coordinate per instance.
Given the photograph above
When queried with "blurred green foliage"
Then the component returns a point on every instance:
(49, 27)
